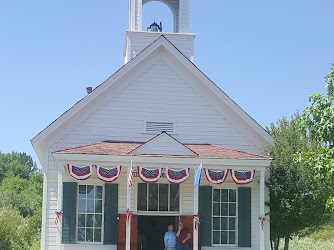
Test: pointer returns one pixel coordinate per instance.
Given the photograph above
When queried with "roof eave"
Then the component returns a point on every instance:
(192, 162)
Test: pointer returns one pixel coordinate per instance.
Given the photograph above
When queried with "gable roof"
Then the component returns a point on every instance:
(39, 139)
(163, 144)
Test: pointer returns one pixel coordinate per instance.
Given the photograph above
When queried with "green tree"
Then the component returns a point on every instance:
(21, 187)
(294, 204)
(24, 195)
(14, 230)
(318, 123)
(16, 164)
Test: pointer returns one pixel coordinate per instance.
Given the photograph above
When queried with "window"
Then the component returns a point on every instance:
(224, 216)
(90, 213)
(158, 197)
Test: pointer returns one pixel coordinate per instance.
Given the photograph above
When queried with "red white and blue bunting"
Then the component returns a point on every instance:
(58, 217)
(80, 173)
(108, 174)
(149, 175)
(196, 220)
(262, 220)
(128, 214)
(177, 176)
(216, 177)
(242, 177)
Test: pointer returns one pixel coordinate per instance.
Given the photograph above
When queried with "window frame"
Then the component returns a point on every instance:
(220, 217)
(157, 212)
(77, 216)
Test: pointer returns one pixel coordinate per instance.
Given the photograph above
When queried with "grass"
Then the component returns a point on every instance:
(313, 239)
(308, 243)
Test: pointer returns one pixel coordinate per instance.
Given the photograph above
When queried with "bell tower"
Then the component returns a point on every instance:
(138, 39)
(179, 8)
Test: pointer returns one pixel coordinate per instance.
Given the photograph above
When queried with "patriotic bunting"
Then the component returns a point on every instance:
(197, 220)
(216, 177)
(80, 173)
(58, 217)
(149, 175)
(128, 214)
(262, 219)
(108, 174)
(242, 177)
(177, 176)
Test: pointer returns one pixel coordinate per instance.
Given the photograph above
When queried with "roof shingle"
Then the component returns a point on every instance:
(125, 148)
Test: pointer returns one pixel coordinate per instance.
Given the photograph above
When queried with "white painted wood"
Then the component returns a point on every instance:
(262, 193)
(195, 207)
(255, 135)
(197, 121)
(128, 205)
(180, 11)
(44, 211)
(60, 203)
(171, 162)
(159, 84)
(83, 246)
(137, 41)
(187, 191)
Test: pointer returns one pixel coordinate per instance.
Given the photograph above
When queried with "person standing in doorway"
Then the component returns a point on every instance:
(182, 237)
(170, 238)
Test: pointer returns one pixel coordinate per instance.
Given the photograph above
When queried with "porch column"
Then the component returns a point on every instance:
(128, 206)
(60, 203)
(262, 212)
(195, 229)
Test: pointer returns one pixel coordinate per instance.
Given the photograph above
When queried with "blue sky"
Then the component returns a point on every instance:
(268, 56)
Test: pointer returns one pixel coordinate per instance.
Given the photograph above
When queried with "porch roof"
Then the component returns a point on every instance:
(118, 148)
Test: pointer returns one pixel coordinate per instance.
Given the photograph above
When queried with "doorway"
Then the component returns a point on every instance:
(151, 231)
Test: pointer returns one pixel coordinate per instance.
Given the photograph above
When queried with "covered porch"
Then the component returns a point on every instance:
(224, 211)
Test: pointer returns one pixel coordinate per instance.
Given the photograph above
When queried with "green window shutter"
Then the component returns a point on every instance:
(69, 212)
(205, 212)
(244, 217)
(110, 213)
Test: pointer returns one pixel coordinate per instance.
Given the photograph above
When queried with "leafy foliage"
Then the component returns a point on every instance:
(294, 203)
(17, 232)
(16, 164)
(24, 195)
(21, 185)
(317, 122)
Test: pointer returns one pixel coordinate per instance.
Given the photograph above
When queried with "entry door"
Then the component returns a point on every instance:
(122, 232)
(152, 229)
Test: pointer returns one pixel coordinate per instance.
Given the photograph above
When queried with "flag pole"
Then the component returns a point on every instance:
(128, 207)
(197, 181)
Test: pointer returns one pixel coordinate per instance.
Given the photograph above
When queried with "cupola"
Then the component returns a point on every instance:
(138, 39)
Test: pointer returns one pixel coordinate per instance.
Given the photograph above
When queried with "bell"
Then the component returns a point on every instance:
(154, 27)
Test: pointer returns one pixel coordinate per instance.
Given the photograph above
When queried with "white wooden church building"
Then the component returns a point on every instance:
(160, 120)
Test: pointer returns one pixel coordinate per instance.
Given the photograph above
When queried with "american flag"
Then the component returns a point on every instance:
(130, 178)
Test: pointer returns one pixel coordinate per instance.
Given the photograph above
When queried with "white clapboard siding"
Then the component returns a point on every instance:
(186, 200)
(255, 209)
(158, 95)
(137, 41)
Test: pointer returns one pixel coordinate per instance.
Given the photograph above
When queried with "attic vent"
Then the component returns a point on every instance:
(158, 127)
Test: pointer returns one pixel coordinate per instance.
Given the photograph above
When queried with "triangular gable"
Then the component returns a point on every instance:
(163, 144)
(243, 122)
